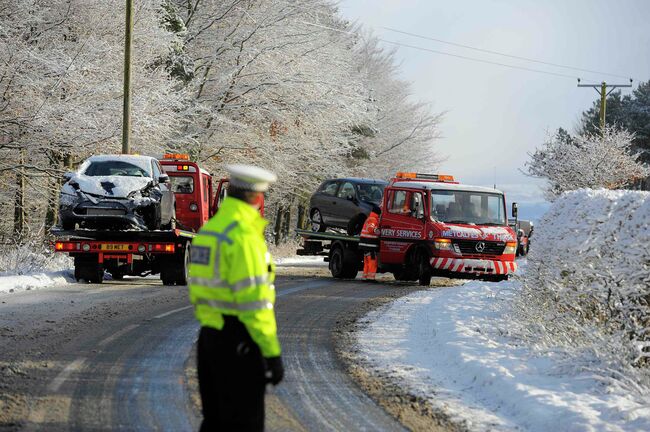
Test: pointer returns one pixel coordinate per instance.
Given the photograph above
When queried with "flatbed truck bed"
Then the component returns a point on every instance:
(340, 250)
(127, 253)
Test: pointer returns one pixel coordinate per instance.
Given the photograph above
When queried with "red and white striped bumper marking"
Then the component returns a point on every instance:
(473, 266)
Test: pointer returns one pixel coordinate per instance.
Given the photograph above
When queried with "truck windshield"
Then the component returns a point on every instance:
(467, 207)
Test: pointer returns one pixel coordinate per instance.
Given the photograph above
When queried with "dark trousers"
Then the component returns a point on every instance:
(231, 379)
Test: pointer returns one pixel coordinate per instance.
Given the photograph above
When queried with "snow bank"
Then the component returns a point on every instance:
(301, 261)
(10, 284)
(32, 266)
(453, 347)
(588, 282)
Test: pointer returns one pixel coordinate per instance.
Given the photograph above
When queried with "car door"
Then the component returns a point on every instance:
(345, 204)
(325, 201)
(401, 224)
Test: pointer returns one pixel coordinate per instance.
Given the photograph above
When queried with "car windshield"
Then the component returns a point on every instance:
(182, 184)
(370, 192)
(467, 207)
(115, 168)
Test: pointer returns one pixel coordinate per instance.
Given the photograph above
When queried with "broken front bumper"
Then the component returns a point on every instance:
(104, 214)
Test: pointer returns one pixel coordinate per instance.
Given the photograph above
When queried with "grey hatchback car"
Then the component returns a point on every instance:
(345, 203)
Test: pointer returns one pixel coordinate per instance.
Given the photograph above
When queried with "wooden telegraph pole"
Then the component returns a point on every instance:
(601, 89)
(126, 113)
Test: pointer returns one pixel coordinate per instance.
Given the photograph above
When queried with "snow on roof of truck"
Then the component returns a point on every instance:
(444, 186)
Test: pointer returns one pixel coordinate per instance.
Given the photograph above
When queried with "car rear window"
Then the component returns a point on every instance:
(115, 168)
(182, 184)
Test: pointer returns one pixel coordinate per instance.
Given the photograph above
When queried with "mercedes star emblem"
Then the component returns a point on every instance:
(480, 247)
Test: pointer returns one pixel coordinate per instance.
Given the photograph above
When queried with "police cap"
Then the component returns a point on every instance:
(251, 178)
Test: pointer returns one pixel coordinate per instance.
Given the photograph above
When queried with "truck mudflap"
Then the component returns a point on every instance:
(474, 266)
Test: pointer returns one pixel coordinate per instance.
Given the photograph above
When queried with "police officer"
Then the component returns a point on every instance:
(231, 288)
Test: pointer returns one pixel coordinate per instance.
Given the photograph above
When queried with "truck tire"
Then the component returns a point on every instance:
(343, 263)
(88, 269)
(424, 268)
(175, 269)
(356, 224)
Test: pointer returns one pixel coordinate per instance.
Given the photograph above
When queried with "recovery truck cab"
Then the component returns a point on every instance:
(140, 253)
(430, 225)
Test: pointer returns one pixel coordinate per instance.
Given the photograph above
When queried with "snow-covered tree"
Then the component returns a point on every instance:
(588, 160)
(61, 81)
(285, 84)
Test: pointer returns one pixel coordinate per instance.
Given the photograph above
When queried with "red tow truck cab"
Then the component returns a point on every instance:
(192, 187)
(454, 229)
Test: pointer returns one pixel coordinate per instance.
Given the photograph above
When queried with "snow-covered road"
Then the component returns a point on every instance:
(451, 345)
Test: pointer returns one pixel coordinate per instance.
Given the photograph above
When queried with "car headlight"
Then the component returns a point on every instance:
(442, 244)
(511, 248)
(194, 207)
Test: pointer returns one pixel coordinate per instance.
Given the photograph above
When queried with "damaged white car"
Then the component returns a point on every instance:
(117, 192)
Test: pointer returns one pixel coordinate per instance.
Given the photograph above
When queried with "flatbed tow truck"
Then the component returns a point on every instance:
(141, 253)
(430, 225)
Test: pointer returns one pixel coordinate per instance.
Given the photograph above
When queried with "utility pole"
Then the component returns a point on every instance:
(601, 89)
(126, 112)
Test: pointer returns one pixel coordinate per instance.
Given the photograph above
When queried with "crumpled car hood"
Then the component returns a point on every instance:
(109, 186)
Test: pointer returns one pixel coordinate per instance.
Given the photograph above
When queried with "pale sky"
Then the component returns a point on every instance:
(495, 115)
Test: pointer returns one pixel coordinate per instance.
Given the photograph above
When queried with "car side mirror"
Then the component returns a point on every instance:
(164, 178)
(67, 176)
(514, 209)
(350, 198)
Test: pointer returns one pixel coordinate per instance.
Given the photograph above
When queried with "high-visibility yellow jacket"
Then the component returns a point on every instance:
(232, 273)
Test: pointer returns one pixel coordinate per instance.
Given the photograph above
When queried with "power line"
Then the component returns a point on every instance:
(474, 59)
(503, 54)
(480, 60)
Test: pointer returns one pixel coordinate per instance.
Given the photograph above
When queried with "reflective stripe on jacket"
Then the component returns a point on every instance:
(370, 228)
(232, 273)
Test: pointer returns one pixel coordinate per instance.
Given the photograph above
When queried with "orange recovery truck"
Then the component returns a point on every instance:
(141, 253)
(430, 225)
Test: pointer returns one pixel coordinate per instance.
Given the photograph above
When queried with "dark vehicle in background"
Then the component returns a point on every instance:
(524, 230)
(118, 192)
(345, 203)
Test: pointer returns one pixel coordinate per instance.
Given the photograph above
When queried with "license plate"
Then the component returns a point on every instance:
(114, 247)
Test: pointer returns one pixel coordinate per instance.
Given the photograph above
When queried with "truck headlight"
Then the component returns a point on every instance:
(511, 248)
(442, 244)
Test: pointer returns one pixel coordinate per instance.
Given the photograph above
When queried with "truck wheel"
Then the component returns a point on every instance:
(356, 224)
(424, 269)
(175, 270)
(88, 269)
(343, 263)
(317, 224)
(184, 271)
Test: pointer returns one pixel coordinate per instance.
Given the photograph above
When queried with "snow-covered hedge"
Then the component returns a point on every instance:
(587, 287)
(30, 258)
